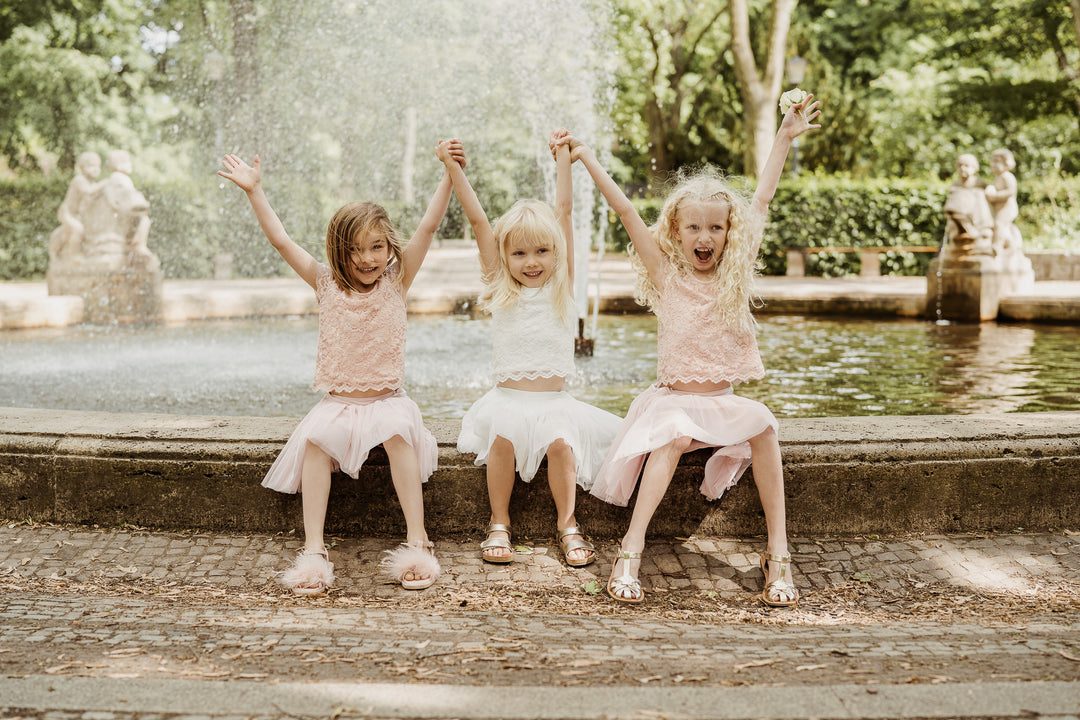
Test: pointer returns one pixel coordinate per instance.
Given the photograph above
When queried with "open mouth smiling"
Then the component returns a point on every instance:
(703, 254)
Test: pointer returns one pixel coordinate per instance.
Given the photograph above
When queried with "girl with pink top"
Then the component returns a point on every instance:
(695, 271)
(360, 364)
(528, 265)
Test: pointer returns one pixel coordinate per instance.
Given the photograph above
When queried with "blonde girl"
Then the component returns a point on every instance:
(359, 364)
(695, 268)
(528, 270)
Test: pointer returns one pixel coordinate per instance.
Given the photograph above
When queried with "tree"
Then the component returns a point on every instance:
(72, 74)
(759, 89)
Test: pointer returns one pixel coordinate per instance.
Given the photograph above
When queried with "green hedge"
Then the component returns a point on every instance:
(193, 221)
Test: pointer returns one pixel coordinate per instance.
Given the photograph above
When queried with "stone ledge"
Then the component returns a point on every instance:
(888, 475)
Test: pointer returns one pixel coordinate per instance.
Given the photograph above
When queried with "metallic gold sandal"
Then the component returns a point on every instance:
(567, 546)
(781, 592)
(625, 583)
(497, 542)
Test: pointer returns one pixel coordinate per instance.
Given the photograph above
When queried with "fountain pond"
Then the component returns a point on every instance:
(816, 366)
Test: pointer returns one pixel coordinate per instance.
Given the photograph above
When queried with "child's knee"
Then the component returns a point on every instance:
(680, 444)
(560, 450)
(501, 445)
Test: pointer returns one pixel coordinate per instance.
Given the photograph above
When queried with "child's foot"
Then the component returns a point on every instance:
(780, 590)
(623, 585)
(577, 551)
(497, 548)
(412, 564)
(311, 574)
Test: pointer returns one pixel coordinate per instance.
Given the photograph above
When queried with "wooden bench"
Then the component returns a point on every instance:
(868, 256)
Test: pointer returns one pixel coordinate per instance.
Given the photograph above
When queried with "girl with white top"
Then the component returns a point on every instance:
(695, 271)
(360, 365)
(528, 270)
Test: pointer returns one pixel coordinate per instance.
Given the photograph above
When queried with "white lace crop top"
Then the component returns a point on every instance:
(529, 340)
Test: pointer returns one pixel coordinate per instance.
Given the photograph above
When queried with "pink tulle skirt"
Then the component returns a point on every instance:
(531, 421)
(347, 429)
(659, 415)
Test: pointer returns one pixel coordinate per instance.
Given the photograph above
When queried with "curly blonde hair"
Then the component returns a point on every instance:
(529, 223)
(352, 223)
(733, 277)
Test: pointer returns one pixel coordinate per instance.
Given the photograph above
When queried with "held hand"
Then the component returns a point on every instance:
(244, 175)
(559, 138)
(451, 151)
(800, 117)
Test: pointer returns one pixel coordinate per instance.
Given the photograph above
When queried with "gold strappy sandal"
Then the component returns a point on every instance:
(625, 583)
(781, 592)
(497, 542)
(566, 545)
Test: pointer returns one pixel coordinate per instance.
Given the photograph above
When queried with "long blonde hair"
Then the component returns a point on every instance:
(354, 222)
(733, 276)
(529, 223)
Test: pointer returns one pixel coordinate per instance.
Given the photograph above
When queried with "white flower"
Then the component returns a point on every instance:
(792, 97)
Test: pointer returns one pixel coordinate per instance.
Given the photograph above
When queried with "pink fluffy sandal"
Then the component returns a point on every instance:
(412, 558)
(311, 574)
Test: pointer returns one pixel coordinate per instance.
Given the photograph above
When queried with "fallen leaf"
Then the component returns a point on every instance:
(592, 587)
(861, 577)
(756, 663)
(810, 667)
(1067, 656)
(650, 679)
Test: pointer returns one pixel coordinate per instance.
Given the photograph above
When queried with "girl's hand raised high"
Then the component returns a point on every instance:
(800, 117)
(451, 150)
(245, 176)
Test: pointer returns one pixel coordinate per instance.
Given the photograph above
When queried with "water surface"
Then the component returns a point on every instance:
(817, 366)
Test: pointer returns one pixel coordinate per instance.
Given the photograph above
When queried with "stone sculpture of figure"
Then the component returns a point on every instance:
(117, 221)
(969, 221)
(1002, 197)
(67, 240)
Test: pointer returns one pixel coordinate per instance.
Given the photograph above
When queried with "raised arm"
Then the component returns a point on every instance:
(640, 235)
(564, 200)
(249, 179)
(415, 252)
(474, 211)
(797, 120)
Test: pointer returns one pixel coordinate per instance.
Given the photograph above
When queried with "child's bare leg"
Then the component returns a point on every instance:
(314, 493)
(562, 479)
(405, 474)
(500, 485)
(769, 478)
(655, 479)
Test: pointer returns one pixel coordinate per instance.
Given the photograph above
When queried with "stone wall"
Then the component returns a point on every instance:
(844, 476)
(1055, 264)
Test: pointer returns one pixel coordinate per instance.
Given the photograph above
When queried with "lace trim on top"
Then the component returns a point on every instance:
(361, 335)
(693, 345)
(529, 341)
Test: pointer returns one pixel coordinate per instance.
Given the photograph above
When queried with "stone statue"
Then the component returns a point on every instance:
(1002, 197)
(980, 261)
(969, 221)
(66, 241)
(99, 251)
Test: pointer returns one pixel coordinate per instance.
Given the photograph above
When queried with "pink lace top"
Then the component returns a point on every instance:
(529, 341)
(693, 345)
(361, 335)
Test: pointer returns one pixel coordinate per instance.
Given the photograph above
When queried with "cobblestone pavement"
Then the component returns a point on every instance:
(127, 605)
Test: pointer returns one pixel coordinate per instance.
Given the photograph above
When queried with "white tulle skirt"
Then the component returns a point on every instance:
(531, 421)
(659, 415)
(347, 429)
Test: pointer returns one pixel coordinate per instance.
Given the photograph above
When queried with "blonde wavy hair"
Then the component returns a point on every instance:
(529, 223)
(351, 224)
(733, 277)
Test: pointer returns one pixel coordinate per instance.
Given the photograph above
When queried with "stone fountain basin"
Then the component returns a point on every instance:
(844, 476)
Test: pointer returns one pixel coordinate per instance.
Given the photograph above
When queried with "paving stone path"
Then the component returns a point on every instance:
(899, 618)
